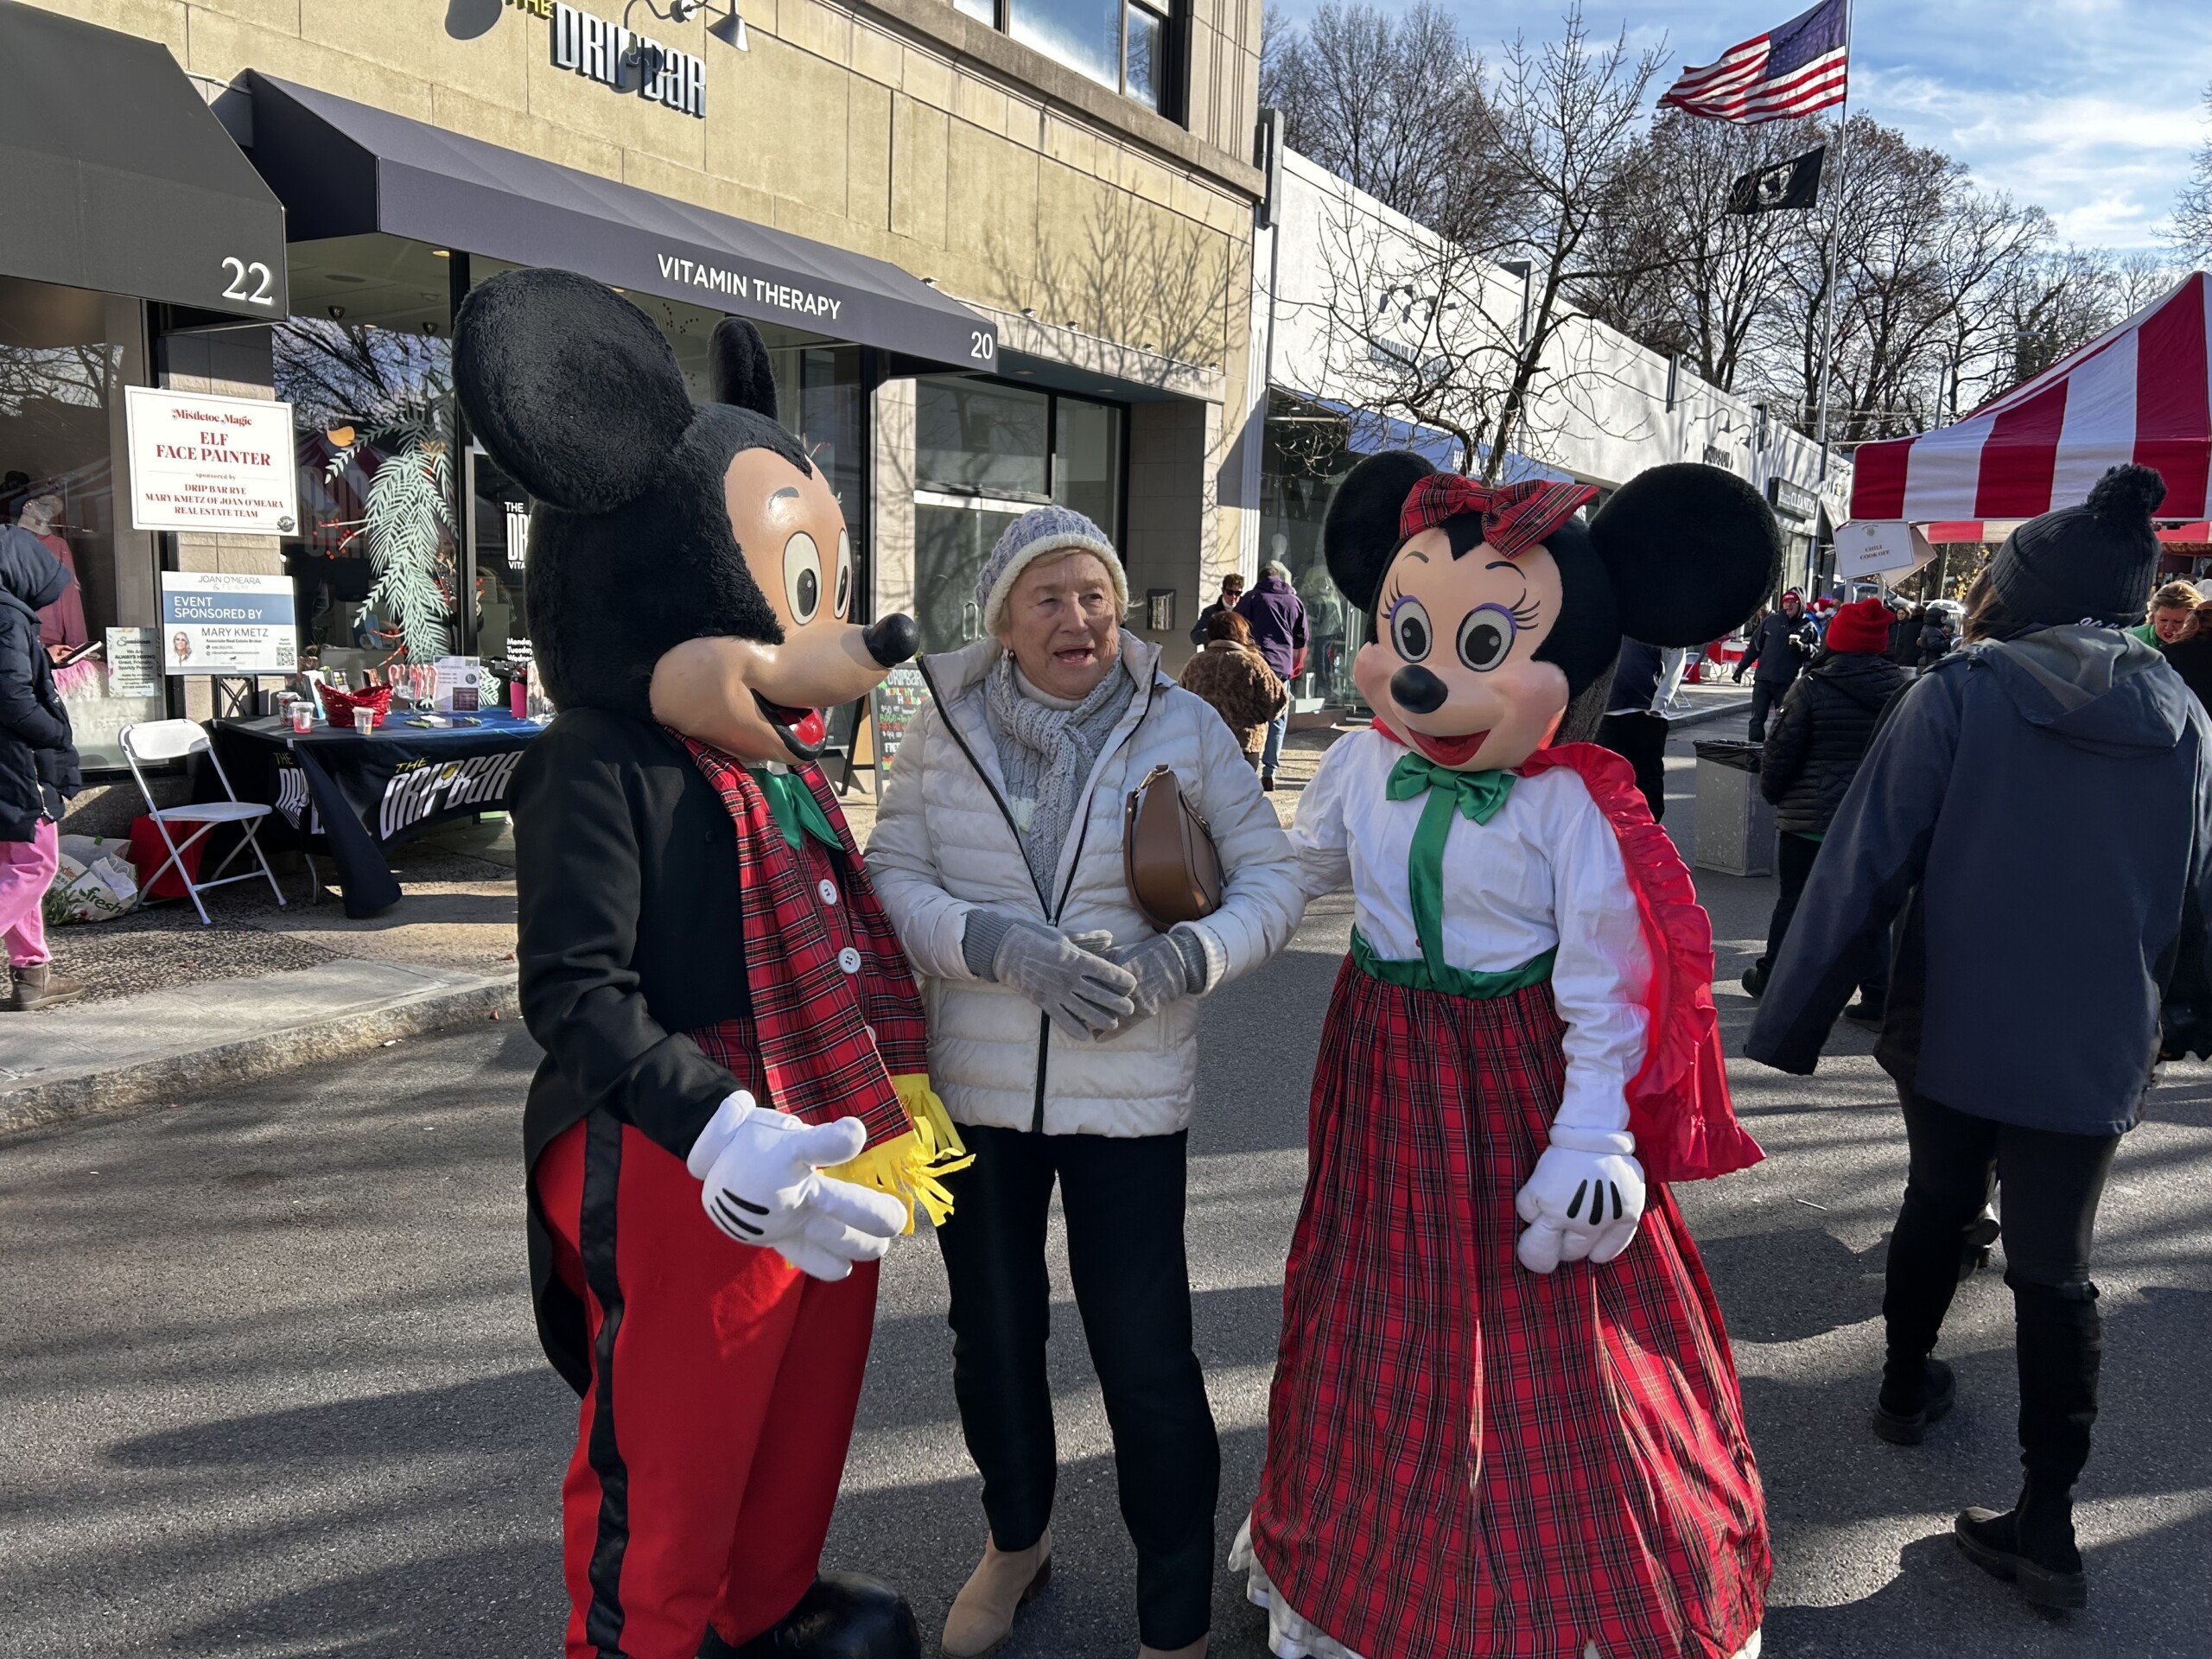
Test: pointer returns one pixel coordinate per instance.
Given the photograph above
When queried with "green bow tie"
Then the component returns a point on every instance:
(796, 810)
(1476, 796)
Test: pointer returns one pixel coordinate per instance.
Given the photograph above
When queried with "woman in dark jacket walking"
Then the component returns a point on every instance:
(1810, 757)
(2040, 805)
(38, 767)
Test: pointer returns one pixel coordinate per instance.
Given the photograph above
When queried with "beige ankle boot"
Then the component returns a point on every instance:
(983, 1613)
(1196, 1651)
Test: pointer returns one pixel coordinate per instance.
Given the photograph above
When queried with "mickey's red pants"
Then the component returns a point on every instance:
(712, 1435)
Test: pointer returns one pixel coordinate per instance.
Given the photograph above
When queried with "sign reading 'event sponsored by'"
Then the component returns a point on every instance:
(224, 465)
(213, 622)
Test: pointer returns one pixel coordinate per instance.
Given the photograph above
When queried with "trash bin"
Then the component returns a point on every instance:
(1735, 825)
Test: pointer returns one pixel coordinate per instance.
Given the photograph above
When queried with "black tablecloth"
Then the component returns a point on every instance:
(351, 796)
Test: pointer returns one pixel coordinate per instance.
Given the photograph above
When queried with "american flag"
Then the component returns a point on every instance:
(1778, 76)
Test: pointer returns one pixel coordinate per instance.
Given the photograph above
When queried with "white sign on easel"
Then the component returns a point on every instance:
(1879, 547)
(223, 465)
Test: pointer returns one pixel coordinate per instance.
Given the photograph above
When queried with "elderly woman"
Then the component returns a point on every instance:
(1064, 1039)
(1232, 676)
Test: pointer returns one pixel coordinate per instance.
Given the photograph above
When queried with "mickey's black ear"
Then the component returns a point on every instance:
(741, 367)
(569, 386)
(1361, 532)
(1691, 551)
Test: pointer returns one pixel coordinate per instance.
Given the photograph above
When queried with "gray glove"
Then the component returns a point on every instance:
(1167, 966)
(1081, 993)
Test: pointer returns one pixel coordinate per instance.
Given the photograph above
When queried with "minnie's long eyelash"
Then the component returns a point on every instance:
(1524, 615)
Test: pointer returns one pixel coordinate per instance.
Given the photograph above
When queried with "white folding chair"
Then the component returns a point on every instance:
(156, 740)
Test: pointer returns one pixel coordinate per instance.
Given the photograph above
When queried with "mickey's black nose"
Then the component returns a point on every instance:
(1417, 691)
(891, 640)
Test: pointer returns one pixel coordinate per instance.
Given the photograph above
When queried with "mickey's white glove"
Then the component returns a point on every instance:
(761, 1184)
(1583, 1202)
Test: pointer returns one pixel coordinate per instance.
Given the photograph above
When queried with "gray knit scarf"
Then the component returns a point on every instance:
(1047, 755)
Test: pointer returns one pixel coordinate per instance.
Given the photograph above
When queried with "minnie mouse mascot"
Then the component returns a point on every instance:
(1480, 1443)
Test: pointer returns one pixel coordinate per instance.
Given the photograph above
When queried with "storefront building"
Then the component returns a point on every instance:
(1000, 251)
(1607, 409)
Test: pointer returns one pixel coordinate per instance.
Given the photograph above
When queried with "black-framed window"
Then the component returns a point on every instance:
(985, 452)
(1117, 43)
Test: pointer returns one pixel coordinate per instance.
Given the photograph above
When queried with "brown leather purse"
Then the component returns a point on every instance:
(1167, 854)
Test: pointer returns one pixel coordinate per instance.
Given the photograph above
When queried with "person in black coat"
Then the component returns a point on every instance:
(1810, 757)
(38, 768)
(2039, 805)
(1785, 639)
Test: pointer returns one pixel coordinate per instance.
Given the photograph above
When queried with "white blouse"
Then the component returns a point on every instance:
(1545, 872)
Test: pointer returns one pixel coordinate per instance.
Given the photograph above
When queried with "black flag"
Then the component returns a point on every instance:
(1793, 183)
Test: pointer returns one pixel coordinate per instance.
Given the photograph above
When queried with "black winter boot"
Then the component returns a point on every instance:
(843, 1616)
(1909, 1402)
(2030, 1546)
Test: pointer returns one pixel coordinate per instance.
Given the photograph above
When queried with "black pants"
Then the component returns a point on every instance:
(1766, 697)
(1793, 866)
(1641, 740)
(2051, 1183)
(1123, 1199)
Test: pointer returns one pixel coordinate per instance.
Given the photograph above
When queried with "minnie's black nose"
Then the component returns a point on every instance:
(891, 640)
(1417, 691)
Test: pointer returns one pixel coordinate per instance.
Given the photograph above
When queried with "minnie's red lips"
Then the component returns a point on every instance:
(1448, 751)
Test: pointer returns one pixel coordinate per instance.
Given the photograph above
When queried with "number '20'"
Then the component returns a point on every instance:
(241, 273)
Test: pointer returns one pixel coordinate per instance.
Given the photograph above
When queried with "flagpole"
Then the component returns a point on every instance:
(1835, 228)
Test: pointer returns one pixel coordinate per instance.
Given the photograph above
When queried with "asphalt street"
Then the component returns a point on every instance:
(269, 1385)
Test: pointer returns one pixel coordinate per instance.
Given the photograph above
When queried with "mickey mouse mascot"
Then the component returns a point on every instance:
(1545, 1460)
(731, 1120)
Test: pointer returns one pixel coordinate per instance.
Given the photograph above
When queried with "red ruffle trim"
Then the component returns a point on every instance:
(1678, 1106)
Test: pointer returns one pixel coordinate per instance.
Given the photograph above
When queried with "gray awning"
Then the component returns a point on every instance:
(346, 169)
(115, 175)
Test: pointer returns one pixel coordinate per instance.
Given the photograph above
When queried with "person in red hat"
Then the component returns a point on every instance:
(1810, 757)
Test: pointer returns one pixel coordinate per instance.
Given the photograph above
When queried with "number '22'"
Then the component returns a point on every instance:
(240, 272)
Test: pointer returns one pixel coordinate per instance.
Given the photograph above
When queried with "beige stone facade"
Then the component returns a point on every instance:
(1095, 233)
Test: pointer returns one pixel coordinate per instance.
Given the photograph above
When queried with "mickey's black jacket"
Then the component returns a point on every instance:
(632, 932)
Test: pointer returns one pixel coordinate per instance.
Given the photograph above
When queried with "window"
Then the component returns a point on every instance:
(61, 375)
(984, 454)
(1115, 42)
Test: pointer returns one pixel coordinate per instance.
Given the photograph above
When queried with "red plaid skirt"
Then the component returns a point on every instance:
(1464, 1457)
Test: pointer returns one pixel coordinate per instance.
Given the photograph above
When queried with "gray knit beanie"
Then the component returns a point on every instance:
(1040, 531)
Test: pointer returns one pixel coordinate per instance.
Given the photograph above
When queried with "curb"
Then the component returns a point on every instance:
(251, 1059)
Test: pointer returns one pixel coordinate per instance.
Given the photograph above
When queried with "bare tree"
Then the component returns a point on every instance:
(1467, 335)
(2192, 225)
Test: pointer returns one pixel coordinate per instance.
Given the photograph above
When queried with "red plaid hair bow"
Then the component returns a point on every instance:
(1515, 517)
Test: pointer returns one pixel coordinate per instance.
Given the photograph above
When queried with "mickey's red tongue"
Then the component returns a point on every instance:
(810, 728)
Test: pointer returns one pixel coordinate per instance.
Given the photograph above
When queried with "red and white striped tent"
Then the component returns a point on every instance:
(2142, 392)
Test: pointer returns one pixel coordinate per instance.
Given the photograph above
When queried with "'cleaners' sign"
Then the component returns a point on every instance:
(223, 465)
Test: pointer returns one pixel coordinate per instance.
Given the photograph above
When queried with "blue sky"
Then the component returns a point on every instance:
(2092, 109)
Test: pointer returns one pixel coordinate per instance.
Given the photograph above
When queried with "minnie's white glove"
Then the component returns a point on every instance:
(761, 1184)
(1583, 1202)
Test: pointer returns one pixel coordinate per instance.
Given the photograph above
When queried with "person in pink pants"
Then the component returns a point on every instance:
(38, 767)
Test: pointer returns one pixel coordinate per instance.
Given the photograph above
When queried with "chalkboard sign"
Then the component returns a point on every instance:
(893, 705)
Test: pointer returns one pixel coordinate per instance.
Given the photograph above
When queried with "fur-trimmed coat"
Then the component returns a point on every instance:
(1244, 691)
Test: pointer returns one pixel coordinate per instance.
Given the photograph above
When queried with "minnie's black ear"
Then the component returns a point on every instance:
(1691, 551)
(1361, 532)
(569, 386)
(740, 373)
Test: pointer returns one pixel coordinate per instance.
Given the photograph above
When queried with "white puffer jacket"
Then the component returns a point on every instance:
(944, 844)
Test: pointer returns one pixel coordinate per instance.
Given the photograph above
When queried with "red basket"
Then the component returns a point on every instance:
(341, 705)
